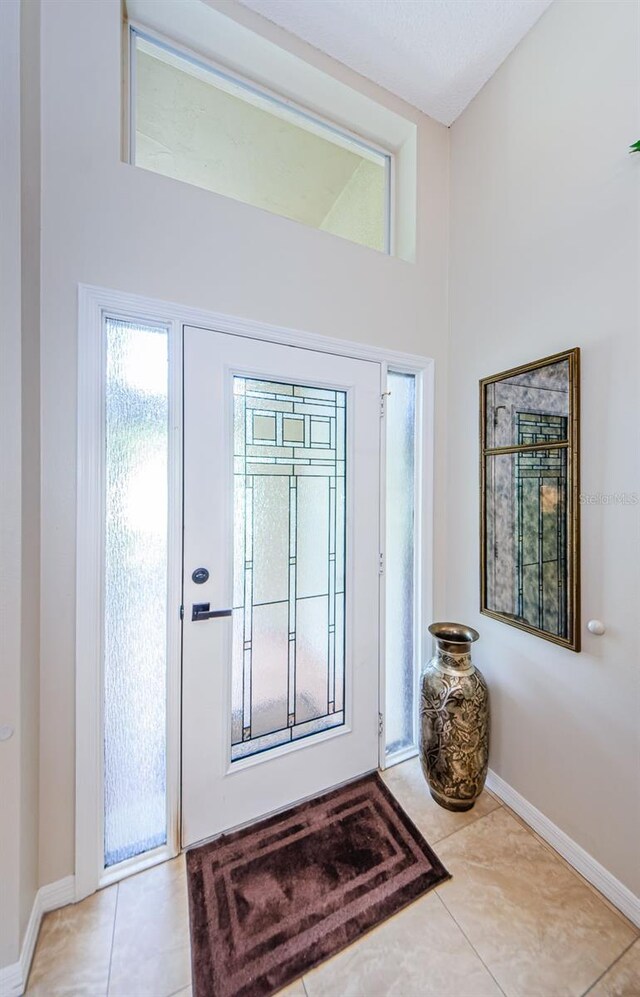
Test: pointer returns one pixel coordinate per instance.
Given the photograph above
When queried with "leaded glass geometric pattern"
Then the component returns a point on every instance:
(288, 564)
(541, 523)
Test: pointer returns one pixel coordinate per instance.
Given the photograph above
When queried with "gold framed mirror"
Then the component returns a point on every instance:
(529, 498)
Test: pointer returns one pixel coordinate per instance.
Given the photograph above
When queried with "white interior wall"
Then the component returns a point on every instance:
(10, 477)
(30, 369)
(19, 468)
(545, 256)
(107, 223)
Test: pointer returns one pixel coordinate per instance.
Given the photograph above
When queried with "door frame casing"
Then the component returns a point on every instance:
(94, 304)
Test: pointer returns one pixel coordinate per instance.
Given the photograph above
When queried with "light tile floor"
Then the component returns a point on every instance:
(515, 919)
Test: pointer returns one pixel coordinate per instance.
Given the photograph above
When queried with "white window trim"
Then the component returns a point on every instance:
(93, 304)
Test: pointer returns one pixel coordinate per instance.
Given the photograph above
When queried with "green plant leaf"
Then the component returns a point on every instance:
(635, 147)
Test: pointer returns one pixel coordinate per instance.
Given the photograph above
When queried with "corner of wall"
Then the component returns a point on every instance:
(10, 480)
(30, 429)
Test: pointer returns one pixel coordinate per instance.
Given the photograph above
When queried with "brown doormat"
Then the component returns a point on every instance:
(271, 901)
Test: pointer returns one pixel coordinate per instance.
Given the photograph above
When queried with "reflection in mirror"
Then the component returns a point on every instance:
(526, 522)
(531, 407)
(529, 523)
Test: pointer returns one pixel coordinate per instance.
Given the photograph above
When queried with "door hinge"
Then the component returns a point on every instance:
(182, 612)
(380, 724)
(381, 564)
(382, 403)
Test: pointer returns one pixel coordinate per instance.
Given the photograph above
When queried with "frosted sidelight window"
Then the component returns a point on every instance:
(401, 688)
(135, 607)
(289, 563)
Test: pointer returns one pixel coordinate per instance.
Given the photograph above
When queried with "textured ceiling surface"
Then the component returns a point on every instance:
(436, 54)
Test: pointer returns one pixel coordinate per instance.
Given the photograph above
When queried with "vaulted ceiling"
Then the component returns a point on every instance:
(436, 54)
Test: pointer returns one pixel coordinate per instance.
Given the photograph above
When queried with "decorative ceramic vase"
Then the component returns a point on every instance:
(454, 719)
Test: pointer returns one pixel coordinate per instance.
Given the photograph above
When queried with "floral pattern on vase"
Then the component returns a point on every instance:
(454, 720)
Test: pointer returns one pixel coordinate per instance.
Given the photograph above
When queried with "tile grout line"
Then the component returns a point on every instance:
(431, 842)
(605, 971)
(525, 827)
(570, 868)
(113, 936)
(469, 940)
(475, 820)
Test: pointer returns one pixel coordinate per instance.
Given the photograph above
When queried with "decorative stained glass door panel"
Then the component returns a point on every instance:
(280, 696)
(288, 568)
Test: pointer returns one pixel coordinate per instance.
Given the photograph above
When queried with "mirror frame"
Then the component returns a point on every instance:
(572, 445)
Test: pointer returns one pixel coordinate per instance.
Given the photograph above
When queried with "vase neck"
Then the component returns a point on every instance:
(458, 660)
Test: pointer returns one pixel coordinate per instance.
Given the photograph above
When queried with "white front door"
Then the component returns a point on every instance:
(281, 528)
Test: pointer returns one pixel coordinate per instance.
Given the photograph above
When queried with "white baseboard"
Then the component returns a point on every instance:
(603, 880)
(13, 978)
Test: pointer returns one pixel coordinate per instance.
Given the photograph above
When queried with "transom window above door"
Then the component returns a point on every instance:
(196, 123)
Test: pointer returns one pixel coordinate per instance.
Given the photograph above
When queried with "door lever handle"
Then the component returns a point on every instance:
(203, 611)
